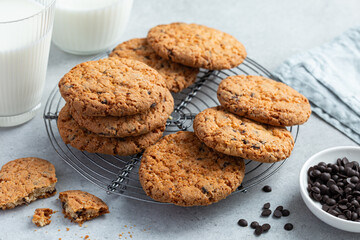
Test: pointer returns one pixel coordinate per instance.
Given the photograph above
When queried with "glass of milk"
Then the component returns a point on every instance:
(25, 36)
(86, 27)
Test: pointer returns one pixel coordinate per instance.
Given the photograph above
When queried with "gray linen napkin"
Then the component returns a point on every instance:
(329, 76)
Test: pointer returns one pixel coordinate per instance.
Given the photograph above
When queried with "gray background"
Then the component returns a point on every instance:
(272, 31)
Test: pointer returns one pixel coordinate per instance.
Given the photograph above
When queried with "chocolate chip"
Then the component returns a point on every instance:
(204, 190)
(277, 214)
(266, 212)
(280, 208)
(258, 230)
(245, 141)
(266, 206)
(288, 227)
(266, 227)
(285, 212)
(242, 223)
(254, 224)
(267, 188)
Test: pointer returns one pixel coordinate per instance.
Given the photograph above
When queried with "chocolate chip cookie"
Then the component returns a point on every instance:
(238, 136)
(84, 140)
(80, 206)
(180, 169)
(264, 100)
(177, 76)
(24, 180)
(112, 86)
(196, 46)
(126, 126)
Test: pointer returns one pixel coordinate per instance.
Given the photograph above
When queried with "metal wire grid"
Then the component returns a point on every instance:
(119, 175)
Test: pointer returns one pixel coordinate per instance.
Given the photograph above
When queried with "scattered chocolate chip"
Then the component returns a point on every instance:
(286, 212)
(280, 208)
(204, 190)
(254, 224)
(267, 188)
(266, 227)
(242, 223)
(258, 230)
(266, 213)
(277, 214)
(266, 206)
(288, 227)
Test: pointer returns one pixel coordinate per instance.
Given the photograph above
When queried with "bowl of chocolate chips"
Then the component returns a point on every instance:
(330, 187)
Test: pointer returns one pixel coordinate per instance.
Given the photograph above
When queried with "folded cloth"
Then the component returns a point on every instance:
(329, 76)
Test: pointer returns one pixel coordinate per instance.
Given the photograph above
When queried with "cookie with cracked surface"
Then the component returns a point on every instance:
(112, 86)
(42, 216)
(177, 76)
(238, 136)
(182, 170)
(196, 46)
(80, 206)
(24, 180)
(126, 126)
(264, 100)
(84, 140)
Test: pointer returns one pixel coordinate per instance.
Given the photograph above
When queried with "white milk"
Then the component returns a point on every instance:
(90, 26)
(24, 50)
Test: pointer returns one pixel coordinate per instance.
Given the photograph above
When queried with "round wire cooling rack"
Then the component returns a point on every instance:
(119, 175)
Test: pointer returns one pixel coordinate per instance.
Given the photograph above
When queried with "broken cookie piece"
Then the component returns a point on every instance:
(24, 180)
(42, 216)
(80, 206)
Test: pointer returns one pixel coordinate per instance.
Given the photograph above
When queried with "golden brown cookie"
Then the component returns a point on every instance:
(42, 216)
(80, 206)
(84, 140)
(180, 169)
(24, 180)
(126, 126)
(112, 86)
(176, 76)
(196, 46)
(264, 100)
(237, 136)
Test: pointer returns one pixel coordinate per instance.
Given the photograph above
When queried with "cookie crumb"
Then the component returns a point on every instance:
(67, 229)
(42, 217)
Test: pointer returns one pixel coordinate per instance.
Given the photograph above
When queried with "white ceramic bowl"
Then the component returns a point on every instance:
(328, 156)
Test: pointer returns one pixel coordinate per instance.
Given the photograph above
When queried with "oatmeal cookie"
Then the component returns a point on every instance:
(182, 170)
(196, 46)
(264, 100)
(238, 136)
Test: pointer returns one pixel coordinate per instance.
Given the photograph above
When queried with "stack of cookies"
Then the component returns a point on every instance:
(113, 106)
(251, 121)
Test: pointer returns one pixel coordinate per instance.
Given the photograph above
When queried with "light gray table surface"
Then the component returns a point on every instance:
(272, 31)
